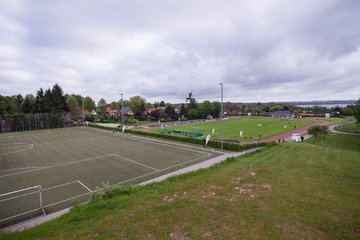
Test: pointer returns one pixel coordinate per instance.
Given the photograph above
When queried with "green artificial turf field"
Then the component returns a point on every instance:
(70, 163)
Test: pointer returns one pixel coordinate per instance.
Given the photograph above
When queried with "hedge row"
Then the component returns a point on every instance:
(211, 143)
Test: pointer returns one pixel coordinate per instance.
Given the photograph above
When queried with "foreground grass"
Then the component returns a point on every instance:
(349, 127)
(290, 191)
(254, 128)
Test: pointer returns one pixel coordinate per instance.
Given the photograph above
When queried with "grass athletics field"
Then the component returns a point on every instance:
(70, 163)
(254, 128)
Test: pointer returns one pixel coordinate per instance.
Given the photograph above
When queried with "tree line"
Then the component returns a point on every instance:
(53, 100)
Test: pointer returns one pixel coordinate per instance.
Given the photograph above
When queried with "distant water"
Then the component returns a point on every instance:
(323, 105)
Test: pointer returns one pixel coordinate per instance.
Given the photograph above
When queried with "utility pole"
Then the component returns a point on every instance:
(122, 110)
(221, 118)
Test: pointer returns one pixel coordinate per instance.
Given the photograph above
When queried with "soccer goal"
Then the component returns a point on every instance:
(20, 204)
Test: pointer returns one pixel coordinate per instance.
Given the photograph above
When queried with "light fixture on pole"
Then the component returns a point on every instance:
(221, 118)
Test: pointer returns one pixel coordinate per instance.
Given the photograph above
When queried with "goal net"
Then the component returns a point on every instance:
(21, 204)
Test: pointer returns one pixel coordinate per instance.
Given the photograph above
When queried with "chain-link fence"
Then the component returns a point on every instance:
(29, 122)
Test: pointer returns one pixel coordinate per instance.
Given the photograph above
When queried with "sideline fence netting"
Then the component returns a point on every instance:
(29, 122)
(21, 204)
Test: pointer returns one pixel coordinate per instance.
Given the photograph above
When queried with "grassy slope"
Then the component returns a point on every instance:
(290, 191)
(249, 125)
(350, 127)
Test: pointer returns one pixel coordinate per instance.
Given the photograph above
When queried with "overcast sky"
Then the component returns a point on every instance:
(268, 50)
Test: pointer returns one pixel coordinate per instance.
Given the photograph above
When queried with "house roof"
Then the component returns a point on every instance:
(126, 110)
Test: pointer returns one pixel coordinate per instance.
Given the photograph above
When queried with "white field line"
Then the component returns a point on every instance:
(164, 169)
(58, 165)
(22, 135)
(11, 147)
(49, 131)
(84, 185)
(66, 141)
(14, 216)
(84, 194)
(21, 150)
(127, 159)
(22, 168)
(68, 199)
(153, 141)
(60, 185)
(18, 196)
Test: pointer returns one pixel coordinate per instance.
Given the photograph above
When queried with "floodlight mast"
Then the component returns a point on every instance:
(83, 113)
(122, 110)
(222, 117)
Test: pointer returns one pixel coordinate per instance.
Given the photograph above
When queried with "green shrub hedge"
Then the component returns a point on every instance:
(211, 143)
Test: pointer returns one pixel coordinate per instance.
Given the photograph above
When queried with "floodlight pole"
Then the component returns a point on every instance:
(122, 110)
(83, 113)
(222, 117)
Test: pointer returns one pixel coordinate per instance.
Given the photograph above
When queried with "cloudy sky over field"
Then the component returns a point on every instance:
(271, 50)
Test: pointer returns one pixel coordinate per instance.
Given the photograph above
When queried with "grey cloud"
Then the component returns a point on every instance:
(269, 50)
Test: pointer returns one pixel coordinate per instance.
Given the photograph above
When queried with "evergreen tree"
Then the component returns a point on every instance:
(19, 100)
(48, 102)
(183, 110)
(102, 105)
(28, 104)
(191, 100)
(58, 99)
(39, 101)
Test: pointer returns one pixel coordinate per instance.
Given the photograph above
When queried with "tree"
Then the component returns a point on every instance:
(48, 102)
(206, 108)
(319, 132)
(356, 111)
(162, 104)
(217, 109)
(102, 105)
(73, 105)
(19, 100)
(193, 113)
(114, 105)
(89, 104)
(39, 101)
(8, 105)
(170, 111)
(137, 105)
(58, 99)
(156, 104)
(191, 100)
(183, 112)
(28, 104)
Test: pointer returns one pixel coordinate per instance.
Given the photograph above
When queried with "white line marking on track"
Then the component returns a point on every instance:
(127, 159)
(84, 185)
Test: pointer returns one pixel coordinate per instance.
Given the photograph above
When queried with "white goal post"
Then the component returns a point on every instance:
(18, 194)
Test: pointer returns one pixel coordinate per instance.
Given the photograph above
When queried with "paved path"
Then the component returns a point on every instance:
(333, 130)
(300, 130)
